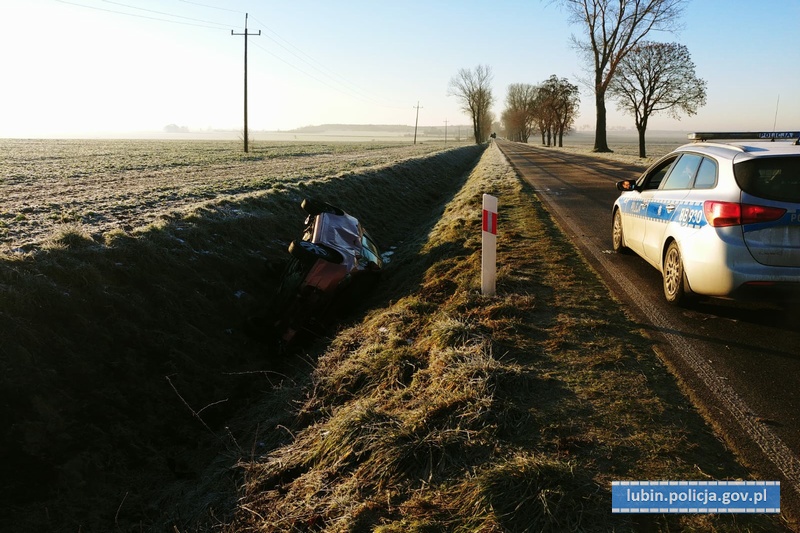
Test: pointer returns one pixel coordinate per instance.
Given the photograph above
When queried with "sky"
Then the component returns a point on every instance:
(103, 67)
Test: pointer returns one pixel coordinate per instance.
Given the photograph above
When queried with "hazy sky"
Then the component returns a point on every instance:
(102, 66)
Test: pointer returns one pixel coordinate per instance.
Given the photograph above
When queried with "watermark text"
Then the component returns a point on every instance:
(695, 497)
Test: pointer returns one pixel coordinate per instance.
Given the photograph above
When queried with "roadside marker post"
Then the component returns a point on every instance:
(489, 246)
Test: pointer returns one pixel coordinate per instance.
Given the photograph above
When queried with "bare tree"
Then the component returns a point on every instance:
(613, 29)
(657, 77)
(473, 89)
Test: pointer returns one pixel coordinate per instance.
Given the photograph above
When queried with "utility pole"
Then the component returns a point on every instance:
(445, 132)
(416, 123)
(246, 143)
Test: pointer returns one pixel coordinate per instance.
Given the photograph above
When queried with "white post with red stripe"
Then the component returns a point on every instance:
(489, 246)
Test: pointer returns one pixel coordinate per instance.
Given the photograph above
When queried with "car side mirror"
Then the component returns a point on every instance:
(626, 185)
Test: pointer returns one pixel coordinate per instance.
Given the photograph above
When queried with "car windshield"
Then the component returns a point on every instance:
(370, 250)
(773, 178)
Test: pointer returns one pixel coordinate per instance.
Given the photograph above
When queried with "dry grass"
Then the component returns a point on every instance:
(124, 354)
(449, 411)
(433, 409)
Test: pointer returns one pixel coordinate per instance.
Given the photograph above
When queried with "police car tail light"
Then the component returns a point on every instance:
(720, 214)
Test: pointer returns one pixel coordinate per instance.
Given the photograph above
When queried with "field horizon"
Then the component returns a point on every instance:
(354, 133)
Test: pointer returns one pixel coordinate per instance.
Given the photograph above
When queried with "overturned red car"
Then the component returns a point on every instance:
(333, 263)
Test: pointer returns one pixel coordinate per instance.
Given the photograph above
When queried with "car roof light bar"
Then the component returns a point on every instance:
(746, 135)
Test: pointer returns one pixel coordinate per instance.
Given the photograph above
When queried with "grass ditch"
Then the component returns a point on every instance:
(444, 410)
(123, 355)
(441, 410)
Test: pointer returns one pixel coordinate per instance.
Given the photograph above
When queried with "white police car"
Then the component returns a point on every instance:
(718, 218)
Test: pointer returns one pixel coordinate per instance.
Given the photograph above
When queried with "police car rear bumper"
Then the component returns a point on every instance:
(724, 270)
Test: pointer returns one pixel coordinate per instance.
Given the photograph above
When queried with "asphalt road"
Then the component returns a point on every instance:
(741, 361)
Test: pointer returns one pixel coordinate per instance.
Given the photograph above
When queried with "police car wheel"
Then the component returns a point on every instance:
(617, 237)
(674, 277)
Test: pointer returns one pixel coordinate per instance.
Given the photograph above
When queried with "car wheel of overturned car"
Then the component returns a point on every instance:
(617, 237)
(306, 251)
(676, 289)
(314, 207)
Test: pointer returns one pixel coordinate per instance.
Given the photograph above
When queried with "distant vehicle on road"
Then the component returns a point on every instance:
(718, 217)
(335, 260)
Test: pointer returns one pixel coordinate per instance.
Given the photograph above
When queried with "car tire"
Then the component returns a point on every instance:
(314, 208)
(306, 252)
(676, 288)
(617, 237)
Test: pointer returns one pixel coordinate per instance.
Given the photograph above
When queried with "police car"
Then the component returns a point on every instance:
(718, 217)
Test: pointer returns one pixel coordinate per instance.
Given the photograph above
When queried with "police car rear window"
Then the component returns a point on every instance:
(773, 178)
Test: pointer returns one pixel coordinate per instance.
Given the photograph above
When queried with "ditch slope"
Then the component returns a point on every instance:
(123, 352)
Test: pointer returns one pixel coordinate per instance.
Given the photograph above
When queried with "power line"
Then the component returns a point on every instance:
(350, 94)
(140, 16)
(276, 56)
(162, 13)
(205, 25)
(349, 89)
(323, 82)
(304, 61)
(210, 6)
(321, 67)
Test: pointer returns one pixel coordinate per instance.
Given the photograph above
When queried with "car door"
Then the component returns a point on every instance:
(662, 210)
(635, 204)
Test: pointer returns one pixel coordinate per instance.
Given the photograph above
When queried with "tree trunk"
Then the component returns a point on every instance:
(642, 128)
(600, 137)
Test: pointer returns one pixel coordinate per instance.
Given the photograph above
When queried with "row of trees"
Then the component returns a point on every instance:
(549, 108)
(643, 77)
